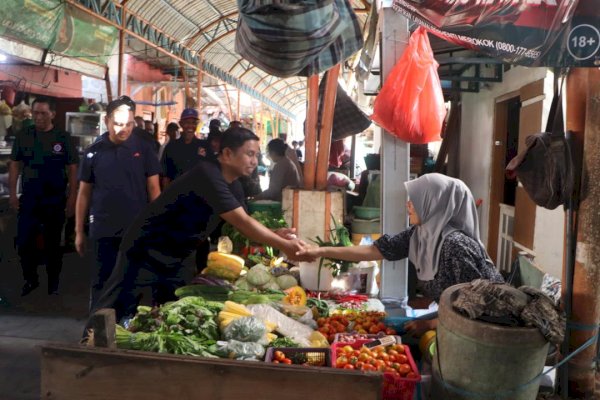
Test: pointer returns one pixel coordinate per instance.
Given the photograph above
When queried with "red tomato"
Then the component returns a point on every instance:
(348, 366)
(348, 349)
(392, 352)
(359, 365)
(341, 361)
(353, 360)
(402, 359)
(286, 361)
(404, 369)
(411, 375)
(399, 348)
(278, 355)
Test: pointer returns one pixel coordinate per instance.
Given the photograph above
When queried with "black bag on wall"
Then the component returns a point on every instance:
(545, 167)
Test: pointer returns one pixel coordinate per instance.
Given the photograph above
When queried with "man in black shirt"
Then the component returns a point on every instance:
(168, 229)
(49, 162)
(118, 176)
(182, 154)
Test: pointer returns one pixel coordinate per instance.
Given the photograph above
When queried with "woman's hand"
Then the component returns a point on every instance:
(419, 327)
(309, 253)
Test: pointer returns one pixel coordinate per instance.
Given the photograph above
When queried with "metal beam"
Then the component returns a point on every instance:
(203, 29)
(214, 40)
(144, 31)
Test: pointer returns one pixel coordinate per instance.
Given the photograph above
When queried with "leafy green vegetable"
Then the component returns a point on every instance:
(339, 237)
(269, 219)
(186, 326)
(283, 342)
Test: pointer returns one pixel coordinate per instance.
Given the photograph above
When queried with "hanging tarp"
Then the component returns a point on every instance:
(55, 26)
(552, 33)
(288, 38)
(84, 36)
(33, 22)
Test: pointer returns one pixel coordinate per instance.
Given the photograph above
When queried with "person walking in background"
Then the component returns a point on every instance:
(49, 166)
(182, 154)
(213, 140)
(171, 134)
(118, 176)
(297, 150)
(284, 173)
(139, 122)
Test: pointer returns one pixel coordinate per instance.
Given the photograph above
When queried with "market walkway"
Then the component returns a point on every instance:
(28, 322)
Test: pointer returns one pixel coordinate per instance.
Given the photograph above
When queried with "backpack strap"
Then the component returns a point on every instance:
(555, 124)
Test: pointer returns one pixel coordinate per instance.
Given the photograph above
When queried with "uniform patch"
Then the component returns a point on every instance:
(58, 148)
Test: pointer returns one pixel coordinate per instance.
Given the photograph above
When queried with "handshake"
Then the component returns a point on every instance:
(297, 249)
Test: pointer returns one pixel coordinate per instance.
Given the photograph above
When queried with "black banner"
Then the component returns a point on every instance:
(553, 33)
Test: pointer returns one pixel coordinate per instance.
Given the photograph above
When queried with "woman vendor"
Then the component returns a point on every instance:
(443, 241)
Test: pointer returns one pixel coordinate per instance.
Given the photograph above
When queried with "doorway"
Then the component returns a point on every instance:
(503, 190)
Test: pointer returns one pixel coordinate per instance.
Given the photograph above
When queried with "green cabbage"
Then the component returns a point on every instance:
(286, 281)
(242, 284)
(258, 275)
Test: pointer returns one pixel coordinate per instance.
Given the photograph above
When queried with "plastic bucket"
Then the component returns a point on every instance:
(309, 276)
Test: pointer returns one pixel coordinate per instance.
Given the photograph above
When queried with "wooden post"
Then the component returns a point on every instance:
(103, 324)
(310, 132)
(121, 50)
(326, 127)
(586, 292)
(228, 101)
(108, 87)
(199, 89)
(239, 113)
(188, 94)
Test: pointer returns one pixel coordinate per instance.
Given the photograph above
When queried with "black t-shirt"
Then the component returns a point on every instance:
(179, 157)
(45, 156)
(119, 175)
(185, 213)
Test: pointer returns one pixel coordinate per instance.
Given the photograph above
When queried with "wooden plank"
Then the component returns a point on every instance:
(524, 223)
(310, 132)
(71, 372)
(103, 324)
(326, 127)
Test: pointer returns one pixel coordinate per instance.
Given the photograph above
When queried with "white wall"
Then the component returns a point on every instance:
(476, 160)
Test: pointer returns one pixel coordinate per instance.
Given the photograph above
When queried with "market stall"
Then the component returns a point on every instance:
(243, 324)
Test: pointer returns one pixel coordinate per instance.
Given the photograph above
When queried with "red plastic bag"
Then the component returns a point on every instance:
(411, 103)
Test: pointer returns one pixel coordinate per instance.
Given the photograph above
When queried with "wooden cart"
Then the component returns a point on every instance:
(77, 372)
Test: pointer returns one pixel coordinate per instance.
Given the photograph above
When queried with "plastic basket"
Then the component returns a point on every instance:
(394, 388)
(346, 337)
(315, 357)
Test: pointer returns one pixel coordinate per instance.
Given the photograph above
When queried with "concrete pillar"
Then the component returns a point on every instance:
(395, 158)
(586, 278)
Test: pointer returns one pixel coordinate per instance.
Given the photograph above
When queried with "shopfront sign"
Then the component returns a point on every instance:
(526, 32)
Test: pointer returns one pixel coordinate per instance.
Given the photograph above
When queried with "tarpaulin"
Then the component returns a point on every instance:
(554, 33)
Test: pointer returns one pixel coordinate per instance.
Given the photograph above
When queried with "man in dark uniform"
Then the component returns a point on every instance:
(49, 162)
(182, 154)
(168, 229)
(118, 176)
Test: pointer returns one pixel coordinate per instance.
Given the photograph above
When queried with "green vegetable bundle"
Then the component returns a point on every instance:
(186, 326)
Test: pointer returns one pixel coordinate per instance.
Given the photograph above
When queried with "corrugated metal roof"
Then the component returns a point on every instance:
(207, 27)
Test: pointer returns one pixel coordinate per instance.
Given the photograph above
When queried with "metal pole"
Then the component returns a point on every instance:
(122, 30)
(199, 87)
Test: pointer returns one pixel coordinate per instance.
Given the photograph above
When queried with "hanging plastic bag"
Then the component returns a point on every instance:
(411, 103)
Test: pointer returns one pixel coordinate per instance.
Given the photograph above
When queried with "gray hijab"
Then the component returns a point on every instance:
(444, 205)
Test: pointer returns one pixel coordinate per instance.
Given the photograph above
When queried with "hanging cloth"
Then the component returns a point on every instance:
(348, 118)
(288, 38)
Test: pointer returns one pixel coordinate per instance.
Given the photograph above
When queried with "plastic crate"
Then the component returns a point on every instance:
(346, 337)
(315, 357)
(394, 388)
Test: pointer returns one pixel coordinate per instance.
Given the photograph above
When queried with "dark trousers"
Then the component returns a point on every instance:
(135, 268)
(105, 255)
(46, 219)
